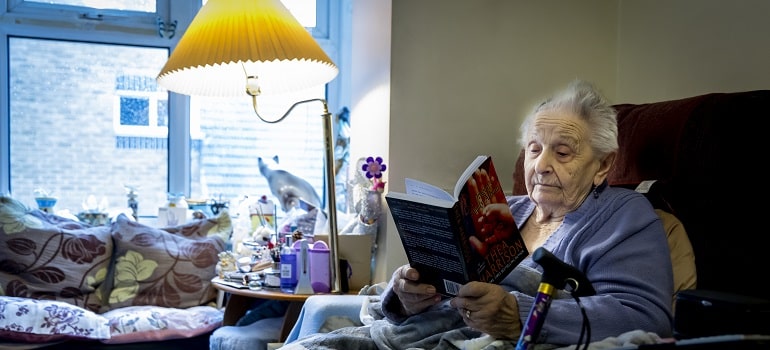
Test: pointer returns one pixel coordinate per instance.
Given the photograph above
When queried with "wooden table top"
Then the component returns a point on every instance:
(264, 293)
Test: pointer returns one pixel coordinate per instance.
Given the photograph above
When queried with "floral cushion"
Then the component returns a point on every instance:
(56, 273)
(220, 225)
(41, 321)
(44, 256)
(155, 267)
(151, 323)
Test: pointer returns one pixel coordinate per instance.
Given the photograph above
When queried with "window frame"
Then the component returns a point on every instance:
(71, 23)
(89, 18)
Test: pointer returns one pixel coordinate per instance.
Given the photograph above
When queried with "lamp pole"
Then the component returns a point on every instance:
(229, 38)
(253, 90)
(332, 201)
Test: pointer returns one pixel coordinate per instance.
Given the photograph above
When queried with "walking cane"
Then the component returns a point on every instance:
(556, 275)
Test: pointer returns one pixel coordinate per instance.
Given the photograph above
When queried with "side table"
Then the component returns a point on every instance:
(239, 301)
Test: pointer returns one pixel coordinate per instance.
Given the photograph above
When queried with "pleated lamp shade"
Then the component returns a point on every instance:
(229, 40)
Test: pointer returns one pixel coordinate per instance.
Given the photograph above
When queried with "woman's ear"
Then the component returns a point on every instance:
(604, 168)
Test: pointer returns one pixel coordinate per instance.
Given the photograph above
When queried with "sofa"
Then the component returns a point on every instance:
(695, 156)
(67, 284)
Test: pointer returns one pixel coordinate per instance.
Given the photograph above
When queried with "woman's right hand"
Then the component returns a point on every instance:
(415, 297)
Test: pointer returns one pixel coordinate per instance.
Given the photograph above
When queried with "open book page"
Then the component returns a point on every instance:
(419, 188)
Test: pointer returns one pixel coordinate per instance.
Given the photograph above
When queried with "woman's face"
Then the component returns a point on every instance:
(559, 165)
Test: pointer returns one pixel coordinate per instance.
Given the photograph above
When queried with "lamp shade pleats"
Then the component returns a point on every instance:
(229, 40)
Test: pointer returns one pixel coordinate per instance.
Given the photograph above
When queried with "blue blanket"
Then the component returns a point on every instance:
(442, 328)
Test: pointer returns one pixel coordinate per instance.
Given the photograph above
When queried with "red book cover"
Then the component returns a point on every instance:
(443, 235)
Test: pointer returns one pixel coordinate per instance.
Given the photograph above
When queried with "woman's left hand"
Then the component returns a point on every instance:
(489, 308)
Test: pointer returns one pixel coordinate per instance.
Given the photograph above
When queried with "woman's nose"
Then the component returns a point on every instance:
(543, 163)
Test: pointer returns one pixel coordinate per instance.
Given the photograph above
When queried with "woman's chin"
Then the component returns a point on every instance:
(547, 194)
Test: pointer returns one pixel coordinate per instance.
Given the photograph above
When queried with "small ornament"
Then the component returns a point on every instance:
(373, 168)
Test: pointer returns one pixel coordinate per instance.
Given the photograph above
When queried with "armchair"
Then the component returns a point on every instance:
(691, 148)
(687, 146)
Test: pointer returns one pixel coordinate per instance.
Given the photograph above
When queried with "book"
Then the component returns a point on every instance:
(442, 233)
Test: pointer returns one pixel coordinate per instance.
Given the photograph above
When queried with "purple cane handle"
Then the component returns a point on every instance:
(536, 317)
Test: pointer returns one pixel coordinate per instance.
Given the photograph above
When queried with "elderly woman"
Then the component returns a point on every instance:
(612, 235)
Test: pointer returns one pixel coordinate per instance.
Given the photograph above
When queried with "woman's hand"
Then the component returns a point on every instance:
(415, 297)
(489, 308)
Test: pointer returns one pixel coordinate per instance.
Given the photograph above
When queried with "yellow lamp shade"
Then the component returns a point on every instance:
(229, 40)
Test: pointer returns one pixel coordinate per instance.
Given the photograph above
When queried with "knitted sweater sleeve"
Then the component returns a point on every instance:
(619, 243)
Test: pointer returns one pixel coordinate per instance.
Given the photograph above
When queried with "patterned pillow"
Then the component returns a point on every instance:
(151, 323)
(44, 256)
(40, 321)
(220, 225)
(155, 267)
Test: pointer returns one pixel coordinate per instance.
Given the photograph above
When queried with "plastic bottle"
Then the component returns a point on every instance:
(177, 200)
(288, 267)
(320, 279)
(175, 212)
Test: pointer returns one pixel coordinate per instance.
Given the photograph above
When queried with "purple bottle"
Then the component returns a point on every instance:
(288, 267)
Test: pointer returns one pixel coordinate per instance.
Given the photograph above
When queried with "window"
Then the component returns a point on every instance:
(131, 5)
(84, 115)
(140, 106)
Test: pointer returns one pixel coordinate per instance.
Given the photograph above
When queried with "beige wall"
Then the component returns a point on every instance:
(674, 49)
(463, 73)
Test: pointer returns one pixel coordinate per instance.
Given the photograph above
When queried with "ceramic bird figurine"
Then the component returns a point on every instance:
(287, 187)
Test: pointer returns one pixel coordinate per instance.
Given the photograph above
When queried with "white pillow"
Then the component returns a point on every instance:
(152, 323)
(40, 321)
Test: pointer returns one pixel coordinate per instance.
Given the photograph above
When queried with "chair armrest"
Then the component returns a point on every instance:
(701, 313)
(318, 308)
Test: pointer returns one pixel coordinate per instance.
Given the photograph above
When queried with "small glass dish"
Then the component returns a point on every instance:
(255, 284)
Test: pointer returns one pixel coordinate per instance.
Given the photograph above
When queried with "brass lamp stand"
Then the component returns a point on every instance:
(230, 41)
(253, 90)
